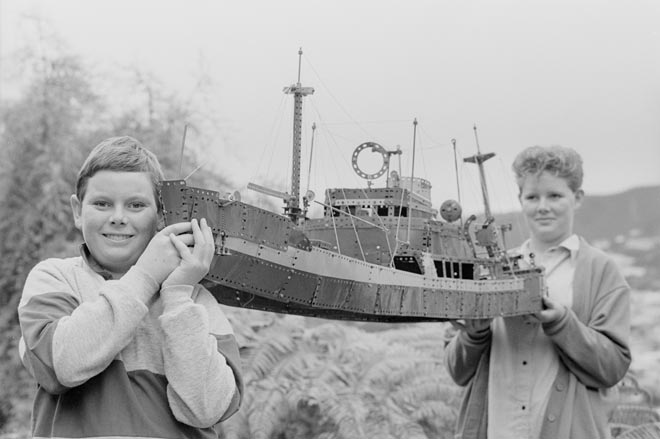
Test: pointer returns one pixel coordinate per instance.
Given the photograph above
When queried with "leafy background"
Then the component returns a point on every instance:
(305, 377)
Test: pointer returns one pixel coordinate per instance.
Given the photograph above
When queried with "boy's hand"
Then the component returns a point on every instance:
(193, 264)
(160, 257)
(552, 311)
(474, 327)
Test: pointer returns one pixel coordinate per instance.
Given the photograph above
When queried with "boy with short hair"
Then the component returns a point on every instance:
(122, 340)
(551, 374)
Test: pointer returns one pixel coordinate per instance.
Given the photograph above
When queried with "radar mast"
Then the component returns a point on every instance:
(298, 91)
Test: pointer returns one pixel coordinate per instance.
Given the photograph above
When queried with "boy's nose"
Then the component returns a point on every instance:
(543, 204)
(118, 217)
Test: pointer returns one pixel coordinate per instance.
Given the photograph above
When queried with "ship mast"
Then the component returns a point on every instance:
(298, 91)
(479, 159)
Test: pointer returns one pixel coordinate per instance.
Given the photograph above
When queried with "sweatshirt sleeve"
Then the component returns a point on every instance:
(201, 357)
(66, 341)
(462, 355)
(597, 351)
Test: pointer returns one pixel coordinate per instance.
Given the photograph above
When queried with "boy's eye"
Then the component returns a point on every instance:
(101, 203)
(136, 205)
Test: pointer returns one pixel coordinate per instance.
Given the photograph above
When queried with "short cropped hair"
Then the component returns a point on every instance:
(121, 154)
(560, 161)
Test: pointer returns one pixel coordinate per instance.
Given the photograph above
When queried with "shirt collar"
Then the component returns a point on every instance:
(92, 263)
(571, 244)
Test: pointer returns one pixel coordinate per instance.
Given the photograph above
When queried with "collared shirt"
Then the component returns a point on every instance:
(523, 361)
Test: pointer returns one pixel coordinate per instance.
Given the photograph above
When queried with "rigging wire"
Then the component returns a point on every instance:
(458, 183)
(421, 153)
(369, 122)
(183, 145)
(468, 183)
(382, 224)
(308, 61)
(277, 124)
(412, 179)
(357, 236)
(398, 227)
(342, 212)
(334, 224)
(311, 153)
(518, 219)
(334, 228)
(332, 134)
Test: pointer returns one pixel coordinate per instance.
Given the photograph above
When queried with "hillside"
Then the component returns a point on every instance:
(605, 217)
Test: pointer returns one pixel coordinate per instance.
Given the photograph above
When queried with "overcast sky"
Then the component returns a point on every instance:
(580, 73)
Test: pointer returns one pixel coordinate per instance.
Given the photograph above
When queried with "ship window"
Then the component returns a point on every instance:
(454, 270)
(407, 263)
(382, 210)
(467, 271)
(400, 211)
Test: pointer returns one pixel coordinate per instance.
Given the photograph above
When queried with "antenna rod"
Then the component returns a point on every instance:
(479, 159)
(311, 152)
(299, 64)
(458, 184)
(183, 144)
(412, 180)
(476, 138)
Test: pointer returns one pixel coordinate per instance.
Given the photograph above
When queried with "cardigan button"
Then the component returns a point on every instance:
(552, 418)
(560, 387)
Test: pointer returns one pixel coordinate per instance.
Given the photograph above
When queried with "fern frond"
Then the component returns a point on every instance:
(265, 356)
(409, 430)
(422, 369)
(266, 417)
(432, 410)
(347, 413)
(434, 391)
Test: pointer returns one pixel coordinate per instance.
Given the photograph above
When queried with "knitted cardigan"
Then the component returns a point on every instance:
(591, 340)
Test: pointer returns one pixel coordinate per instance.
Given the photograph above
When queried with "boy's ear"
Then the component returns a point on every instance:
(579, 196)
(76, 208)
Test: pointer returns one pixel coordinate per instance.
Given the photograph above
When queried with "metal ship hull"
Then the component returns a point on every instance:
(268, 262)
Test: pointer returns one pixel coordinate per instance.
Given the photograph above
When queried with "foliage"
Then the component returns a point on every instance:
(45, 133)
(337, 381)
(40, 132)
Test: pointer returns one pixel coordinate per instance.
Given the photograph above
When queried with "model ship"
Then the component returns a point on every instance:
(377, 253)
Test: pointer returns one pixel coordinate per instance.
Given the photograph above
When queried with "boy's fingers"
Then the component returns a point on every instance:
(197, 232)
(457, 324)
(177, 228)
(208, 233)
(181, 247)
(204, 245)
(206, 229)
(187, 239)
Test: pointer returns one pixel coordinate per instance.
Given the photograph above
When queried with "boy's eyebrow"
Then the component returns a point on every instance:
(131, 197)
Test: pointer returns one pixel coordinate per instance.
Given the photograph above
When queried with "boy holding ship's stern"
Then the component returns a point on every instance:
(122, 340)
(550, 375)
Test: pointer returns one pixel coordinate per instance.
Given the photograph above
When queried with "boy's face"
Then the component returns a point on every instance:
(549, 204)
(117, 216)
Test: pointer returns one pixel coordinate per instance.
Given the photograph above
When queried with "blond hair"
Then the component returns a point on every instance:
(559, 161)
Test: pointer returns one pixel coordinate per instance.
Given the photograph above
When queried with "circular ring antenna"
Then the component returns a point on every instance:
(374, 148)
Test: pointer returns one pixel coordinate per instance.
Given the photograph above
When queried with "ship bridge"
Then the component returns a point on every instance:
(395, 200)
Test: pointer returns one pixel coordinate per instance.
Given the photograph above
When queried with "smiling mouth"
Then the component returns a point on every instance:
(117, 237)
